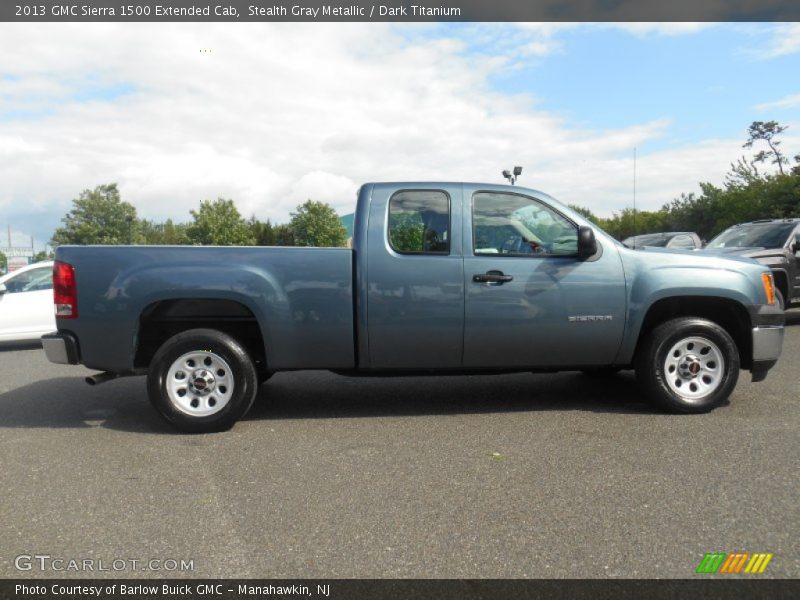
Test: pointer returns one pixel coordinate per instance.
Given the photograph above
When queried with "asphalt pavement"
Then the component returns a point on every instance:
(473, 476)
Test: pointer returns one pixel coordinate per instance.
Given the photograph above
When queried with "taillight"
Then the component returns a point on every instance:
(65, 292)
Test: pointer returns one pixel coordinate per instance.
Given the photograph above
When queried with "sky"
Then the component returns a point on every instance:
(274, 114)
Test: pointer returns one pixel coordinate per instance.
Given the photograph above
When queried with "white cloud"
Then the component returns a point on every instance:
(792, 101)
(785, 40)
(664, 29)
(279, 113)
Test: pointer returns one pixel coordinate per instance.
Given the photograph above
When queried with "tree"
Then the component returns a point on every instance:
(766, 131)
(42, 255)
(283, 235)
(317, 224)
(98, 216)
(263, 232)
(3, 263)
(585, 213)
(162, 234)
(219, 223)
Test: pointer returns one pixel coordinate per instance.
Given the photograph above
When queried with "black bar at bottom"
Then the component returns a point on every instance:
(391, 589)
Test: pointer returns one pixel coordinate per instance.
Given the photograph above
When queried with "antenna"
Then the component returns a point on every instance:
(634, 196)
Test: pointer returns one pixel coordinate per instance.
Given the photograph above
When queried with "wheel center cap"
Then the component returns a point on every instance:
(689, 366)
(203, 381)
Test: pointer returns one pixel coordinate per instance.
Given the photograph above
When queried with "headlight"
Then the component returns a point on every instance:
(769, 287)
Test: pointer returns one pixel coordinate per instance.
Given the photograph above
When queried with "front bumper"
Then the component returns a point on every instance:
(767, 321)
(61, 348)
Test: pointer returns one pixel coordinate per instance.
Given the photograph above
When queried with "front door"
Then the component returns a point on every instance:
(530, 301)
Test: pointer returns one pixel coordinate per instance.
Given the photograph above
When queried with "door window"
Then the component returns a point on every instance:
(419, 222)
(511, 224)
(31, 281)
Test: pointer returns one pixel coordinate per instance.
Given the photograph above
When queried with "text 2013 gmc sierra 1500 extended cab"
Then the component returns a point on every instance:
(442, 278)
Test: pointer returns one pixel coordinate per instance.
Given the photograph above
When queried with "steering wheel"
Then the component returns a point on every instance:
(517, 245)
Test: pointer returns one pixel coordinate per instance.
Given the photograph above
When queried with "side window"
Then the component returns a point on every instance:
(682, 241)
(520, 226)
(31, 281)
(419, 222)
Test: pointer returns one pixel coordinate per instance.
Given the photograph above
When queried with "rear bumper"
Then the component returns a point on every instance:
(61, 348)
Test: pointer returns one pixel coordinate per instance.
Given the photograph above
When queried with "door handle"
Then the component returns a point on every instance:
(492, 277)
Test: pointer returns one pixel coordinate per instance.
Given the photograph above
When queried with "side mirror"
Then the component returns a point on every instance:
(587, 245)
(796, 246)
(3, 288)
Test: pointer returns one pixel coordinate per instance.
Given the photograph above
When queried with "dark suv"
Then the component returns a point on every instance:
(774, 243)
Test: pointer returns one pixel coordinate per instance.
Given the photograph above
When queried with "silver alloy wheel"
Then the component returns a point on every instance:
(199, 383)
(694, 368)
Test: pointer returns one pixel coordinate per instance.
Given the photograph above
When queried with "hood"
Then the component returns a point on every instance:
(691, 258)
(751, 252)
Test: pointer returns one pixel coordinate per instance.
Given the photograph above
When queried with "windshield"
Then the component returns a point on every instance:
(753, 235)
(656, 240)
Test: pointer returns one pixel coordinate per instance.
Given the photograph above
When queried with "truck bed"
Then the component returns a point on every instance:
(301, 297)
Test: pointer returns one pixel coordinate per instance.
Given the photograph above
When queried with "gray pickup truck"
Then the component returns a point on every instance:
(442, 278)
(774, 243)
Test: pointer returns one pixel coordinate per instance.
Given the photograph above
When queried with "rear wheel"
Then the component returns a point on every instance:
(202, 380)
(688, 365)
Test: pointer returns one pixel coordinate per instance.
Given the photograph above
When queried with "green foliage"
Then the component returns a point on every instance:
(3, 262)
(167, 233)
(406, 232)
(317, 224)
(283, 235)
(218, 223)
(41, 255)
(98, 216)
(263, 232)
(585, 213)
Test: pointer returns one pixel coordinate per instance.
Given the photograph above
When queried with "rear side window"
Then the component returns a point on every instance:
(34, 280)
(419, 222)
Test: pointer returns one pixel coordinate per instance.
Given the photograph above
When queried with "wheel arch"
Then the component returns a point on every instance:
(161, 319)
(781, 278)
(725, 312)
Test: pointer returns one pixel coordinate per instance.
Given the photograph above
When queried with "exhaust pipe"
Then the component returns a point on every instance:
(101, 378)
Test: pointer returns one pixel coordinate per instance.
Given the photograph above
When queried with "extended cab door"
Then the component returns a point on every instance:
(530, 301)
(415, 277)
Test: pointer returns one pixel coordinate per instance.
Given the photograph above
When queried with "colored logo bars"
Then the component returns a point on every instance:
(720, 562)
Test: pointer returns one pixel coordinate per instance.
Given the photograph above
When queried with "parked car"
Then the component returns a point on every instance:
(774, 243)
(679, 240)
(442, 278)
(26, 303)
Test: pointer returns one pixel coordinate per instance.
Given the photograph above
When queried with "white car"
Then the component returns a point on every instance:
(26, 303)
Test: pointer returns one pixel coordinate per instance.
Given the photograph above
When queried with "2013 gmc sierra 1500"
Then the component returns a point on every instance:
(442, 278)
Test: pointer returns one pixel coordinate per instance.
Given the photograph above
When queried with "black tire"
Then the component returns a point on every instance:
(230, 364)
(686, 394)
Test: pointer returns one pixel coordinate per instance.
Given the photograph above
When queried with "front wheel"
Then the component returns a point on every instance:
(688, 365)
(202, 380)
